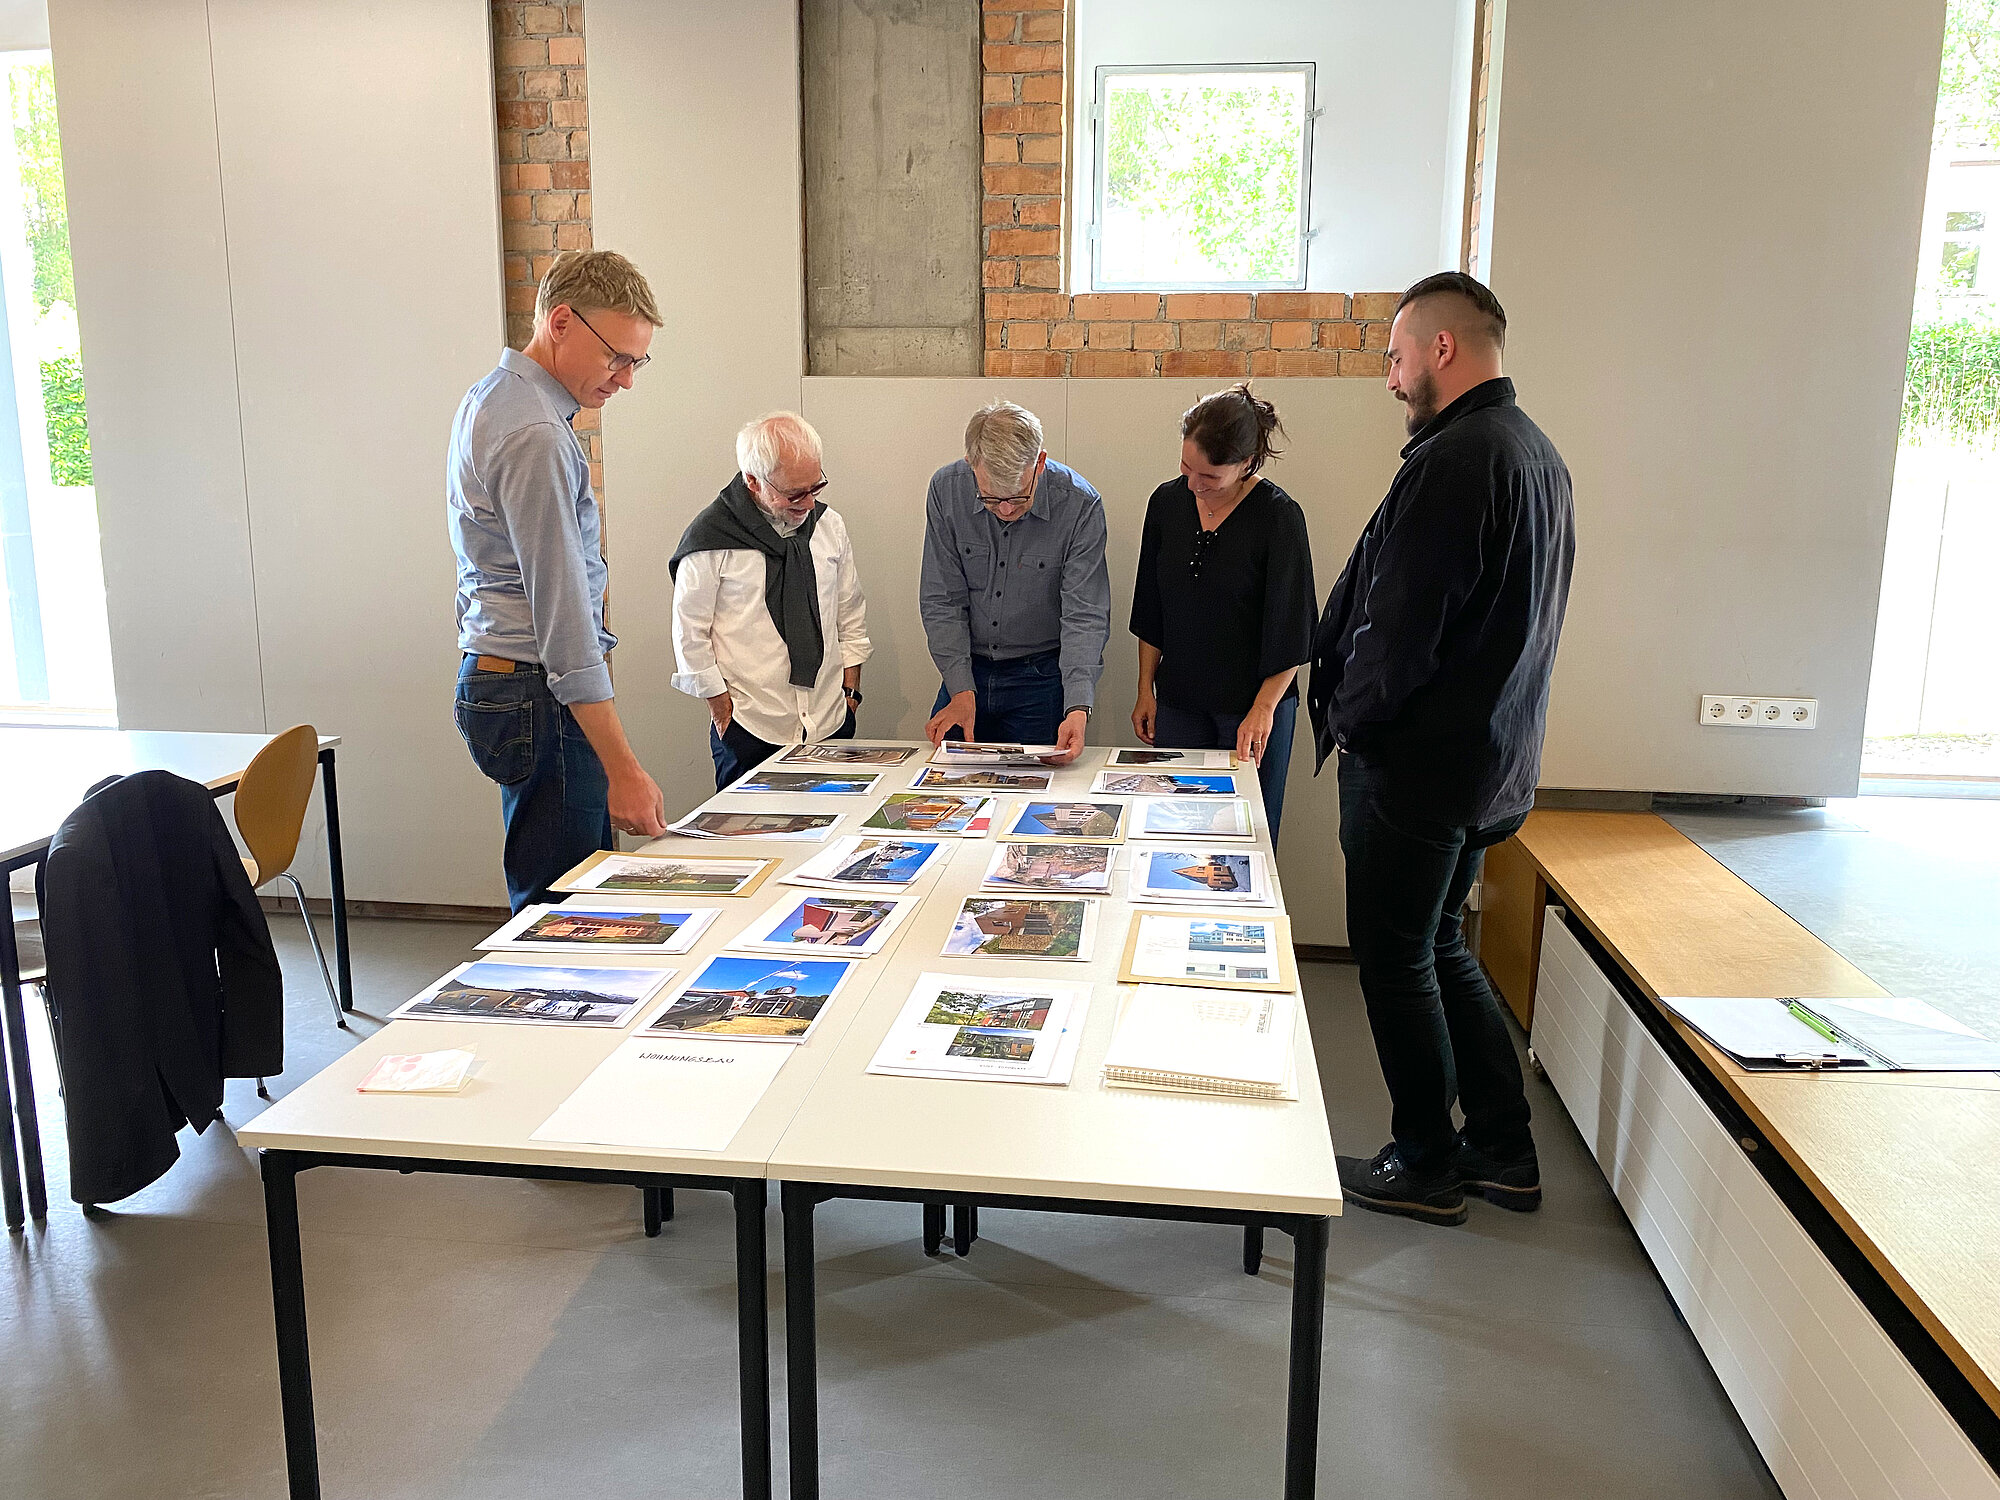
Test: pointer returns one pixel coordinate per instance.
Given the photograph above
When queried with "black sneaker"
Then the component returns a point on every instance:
(1515, 1183)
(1383, 1185)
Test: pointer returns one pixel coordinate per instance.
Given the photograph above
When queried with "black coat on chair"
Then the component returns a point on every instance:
(161, 976)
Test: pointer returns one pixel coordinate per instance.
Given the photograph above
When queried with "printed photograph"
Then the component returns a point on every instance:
(976, 1007)
(1069, 820)
(1175, 871)
(1156, 784)
(1052, 867)
(945, 779)
(676, 877)
(976, 753)
(1150, 757)
(834, 783)
(884, 862)
(1187, 817)
(993, 1044)
(489, 991)
(744, 825)
(603, 927)
(1003, 927)
(916, 812)
(830, 922)
(1228, 937)
(840, 753)
(772, 999)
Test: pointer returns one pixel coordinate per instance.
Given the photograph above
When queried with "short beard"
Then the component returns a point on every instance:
(1420, 399)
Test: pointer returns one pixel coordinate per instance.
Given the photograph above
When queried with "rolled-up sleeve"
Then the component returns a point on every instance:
(532, 489)
(697, 584)
(944, 599)
(1086, 608)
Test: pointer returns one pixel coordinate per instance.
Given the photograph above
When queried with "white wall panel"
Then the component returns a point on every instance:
(146, 213)
(352, 171)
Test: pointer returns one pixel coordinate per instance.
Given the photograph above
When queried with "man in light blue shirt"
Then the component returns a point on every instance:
(534, 688)
(1015, 598)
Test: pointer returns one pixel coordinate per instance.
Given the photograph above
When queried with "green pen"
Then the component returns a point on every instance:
(1806, 1018)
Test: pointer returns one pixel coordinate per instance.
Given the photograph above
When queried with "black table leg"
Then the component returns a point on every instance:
(753, 1353)
(801, 1341)
(964, 1227)
(933, 1228)
(10, 1165)
(288, 1303)
(1253, 1249)
(1308, 1331)
(28, 1164)
(649, 1198)
(337, 876)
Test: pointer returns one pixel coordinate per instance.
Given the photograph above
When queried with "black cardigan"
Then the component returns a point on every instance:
(161, 976)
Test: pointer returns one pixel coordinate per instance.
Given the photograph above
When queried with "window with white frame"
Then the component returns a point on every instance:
(1203, 177)
(1310, 145)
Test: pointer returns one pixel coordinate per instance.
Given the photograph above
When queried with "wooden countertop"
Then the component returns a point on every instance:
(1901, 1160)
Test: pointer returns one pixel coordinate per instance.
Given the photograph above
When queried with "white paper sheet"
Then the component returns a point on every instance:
(1041, 928)
(1232, 877)
(541, 929)
(881, 861)
(667, 1094)
(1191, 818)
(788, 826)
(1077, 869)
(1242, 949)
(985, 1020)
(839, 925)
(1172, 760)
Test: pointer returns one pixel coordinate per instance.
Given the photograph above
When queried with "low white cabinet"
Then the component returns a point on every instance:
(1835, 1408)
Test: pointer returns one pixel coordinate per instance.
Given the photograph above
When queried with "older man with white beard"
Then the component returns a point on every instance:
(770, 626)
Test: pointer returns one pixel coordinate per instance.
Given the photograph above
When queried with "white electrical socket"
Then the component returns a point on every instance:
(1759, 713)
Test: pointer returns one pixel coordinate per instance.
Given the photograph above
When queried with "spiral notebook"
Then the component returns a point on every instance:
(1203, 1041)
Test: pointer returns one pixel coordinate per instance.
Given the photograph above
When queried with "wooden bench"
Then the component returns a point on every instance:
(1904, 1164)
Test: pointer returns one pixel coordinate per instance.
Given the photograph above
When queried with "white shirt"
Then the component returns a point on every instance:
(724, 637)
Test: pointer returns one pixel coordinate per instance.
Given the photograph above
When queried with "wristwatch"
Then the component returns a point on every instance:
(853, 694)
(1077, 708)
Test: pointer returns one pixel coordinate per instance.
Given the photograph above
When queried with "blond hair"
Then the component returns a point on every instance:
(594, 280)
(766, 443)
(1005, 440)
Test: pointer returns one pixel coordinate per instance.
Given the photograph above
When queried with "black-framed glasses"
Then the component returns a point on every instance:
(1203, 542)
(620, 361)
(793, 497)
(990, 501)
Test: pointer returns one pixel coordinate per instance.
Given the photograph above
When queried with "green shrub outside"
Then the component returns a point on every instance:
(69, 430)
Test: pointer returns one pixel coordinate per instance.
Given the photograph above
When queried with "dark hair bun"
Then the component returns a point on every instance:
(1233, 426)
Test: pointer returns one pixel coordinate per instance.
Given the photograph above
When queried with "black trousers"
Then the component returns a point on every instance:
(736, 750)
(1438, 1030)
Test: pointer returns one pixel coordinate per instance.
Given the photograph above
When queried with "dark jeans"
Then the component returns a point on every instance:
(1190, 729)
(1438, 1029)
(1020, 701)
(736, 750)
(554, 795)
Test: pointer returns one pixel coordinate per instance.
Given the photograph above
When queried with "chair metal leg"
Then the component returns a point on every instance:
(312, 933)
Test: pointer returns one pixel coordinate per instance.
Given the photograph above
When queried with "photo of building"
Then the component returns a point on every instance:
(918, 813)
(997, 928)
(605, 928)
(753, 997)
(1075, 820)
(998, 1045)
(834, 922)
(973, 1007)
(1058, 867)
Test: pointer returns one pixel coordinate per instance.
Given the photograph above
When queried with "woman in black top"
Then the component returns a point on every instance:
(1223, 606)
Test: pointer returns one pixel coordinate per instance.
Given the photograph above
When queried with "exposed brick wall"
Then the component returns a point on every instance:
(1476, 171)
(1110, 334)
(544, 125)
(1034, 328)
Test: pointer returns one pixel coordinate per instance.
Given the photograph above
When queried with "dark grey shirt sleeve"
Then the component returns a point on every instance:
(944, 599)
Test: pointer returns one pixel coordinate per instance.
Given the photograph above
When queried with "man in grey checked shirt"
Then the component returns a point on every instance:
(1016, 601)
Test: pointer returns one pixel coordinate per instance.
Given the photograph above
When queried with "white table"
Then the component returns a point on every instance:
(1084, 1148)
(46, 771)
(827, 1128)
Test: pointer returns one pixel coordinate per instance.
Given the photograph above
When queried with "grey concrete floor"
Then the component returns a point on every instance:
(1907, 889)
(492, 1338)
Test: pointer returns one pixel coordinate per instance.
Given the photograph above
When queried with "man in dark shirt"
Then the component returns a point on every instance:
(1431, 678)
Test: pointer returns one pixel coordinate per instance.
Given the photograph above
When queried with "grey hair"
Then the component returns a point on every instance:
(1005, 440)
(766, 443)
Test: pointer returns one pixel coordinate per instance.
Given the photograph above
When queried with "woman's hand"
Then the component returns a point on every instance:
(1253, 735)
(1143, 713)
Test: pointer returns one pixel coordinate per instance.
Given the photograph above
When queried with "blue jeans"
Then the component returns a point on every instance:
(737, 750)
(1191, 729)
(1438, 1030)
(554, 795)
(1020, 701)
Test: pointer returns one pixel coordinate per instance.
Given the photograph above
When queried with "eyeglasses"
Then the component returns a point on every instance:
(620, 362)
(990, 501)
(1203, 541)
(793, 497)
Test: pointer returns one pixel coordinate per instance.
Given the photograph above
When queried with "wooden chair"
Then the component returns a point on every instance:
(270, 814)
